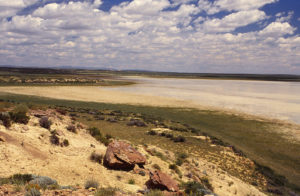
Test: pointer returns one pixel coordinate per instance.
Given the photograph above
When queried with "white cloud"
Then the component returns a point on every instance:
(142, 7)
(277, 29)
(10, 8)
(139, 34)
(232, 5)
(233, 21)
(237, 5)
(284, 17)
(57, 11)
(25, 24)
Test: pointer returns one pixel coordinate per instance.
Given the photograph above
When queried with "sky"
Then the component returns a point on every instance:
(215, 36)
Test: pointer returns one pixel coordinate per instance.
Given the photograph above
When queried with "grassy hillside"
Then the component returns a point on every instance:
(255, 138)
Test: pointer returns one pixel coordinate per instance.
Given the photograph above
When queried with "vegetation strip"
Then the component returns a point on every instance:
(251, 136)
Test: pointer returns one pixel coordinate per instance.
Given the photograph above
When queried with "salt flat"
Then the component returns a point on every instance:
(267, 100)
(279, 100)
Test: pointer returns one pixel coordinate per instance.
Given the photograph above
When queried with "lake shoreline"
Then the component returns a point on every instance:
(261, 140)
(289, 129)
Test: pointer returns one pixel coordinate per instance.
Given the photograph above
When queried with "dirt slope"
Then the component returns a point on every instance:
(27, 149)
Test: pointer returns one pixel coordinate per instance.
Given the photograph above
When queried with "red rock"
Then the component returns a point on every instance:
(162, 181)
(122, 156)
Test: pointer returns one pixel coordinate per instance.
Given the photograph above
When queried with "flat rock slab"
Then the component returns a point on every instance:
(122, 156)
(162, 181)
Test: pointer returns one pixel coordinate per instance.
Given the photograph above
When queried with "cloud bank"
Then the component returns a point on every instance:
(177, 35)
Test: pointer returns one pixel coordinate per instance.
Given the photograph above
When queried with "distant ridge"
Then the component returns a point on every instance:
(225, 76)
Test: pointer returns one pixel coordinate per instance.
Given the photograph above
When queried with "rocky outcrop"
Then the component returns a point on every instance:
(162, 181)
(122, 156)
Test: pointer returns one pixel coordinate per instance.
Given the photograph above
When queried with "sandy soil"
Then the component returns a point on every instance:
(27, 149)
(98, 94)
(95, 94)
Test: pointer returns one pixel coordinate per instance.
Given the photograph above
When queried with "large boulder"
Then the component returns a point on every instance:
(162, 181)
(122, 156)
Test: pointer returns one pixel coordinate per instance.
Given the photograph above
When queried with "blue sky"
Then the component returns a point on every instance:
(224, 36)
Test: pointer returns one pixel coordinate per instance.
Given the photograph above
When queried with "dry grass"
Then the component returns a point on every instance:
(255, 138)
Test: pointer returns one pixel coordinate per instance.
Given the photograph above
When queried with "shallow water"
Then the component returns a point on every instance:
(280, 100)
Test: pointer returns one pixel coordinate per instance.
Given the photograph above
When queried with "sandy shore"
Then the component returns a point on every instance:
(98, 94)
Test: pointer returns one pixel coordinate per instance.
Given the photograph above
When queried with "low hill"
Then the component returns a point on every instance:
(63, 153)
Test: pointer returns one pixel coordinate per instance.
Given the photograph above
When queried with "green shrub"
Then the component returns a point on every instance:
(17, 188)
(169, 135)
(71, 128)
(19, 117)
(104, 141)
(45, 122)
(142, 173)
(66, 142)
(20, 179)
(179, 162)
(20, 109)
(33, 192)
(108, 136)
(131, 181)
(73, 115)
(91, 184)
(179, 139)
(96, 157)
(5, 117)
(4, 181)
(101, 139)
(42, 181)
(176, 169)
(61, 111)
(56, 186)
(182, 155)
(217, 141)
(173, 166)
(194, 188)
(273, 177)
(159, 155)
(119, 177)
(155, 193)
(151, 132)
(196, 131)
(106, 192)
(156, 166)
(205, 181)
(54, 139)
(94, 131)
(180, 158)
(19, 114)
